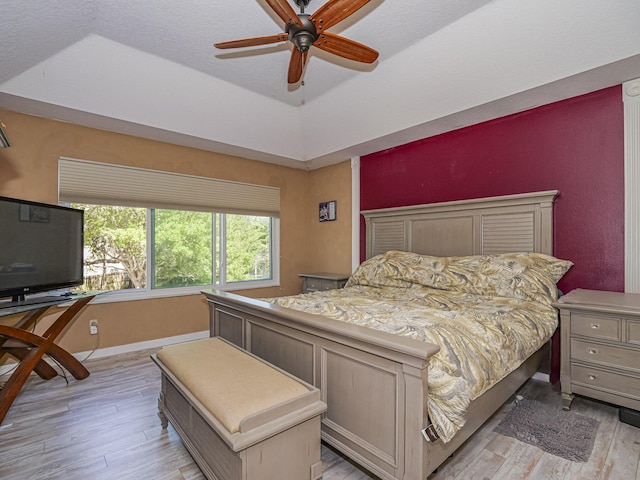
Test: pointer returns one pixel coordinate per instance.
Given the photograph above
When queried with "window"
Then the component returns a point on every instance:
(115, 248)
(247, 248)
(151, 231)
(182, 248)
(178, 248)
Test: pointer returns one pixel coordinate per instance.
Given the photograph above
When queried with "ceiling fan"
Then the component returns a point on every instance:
(305, 30)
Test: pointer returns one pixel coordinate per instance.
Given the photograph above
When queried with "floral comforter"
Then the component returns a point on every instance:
(487, 313)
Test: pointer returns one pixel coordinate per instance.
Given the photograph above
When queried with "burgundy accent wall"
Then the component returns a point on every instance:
(575, 146)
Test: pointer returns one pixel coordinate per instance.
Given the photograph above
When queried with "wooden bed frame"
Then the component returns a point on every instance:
(376, 384)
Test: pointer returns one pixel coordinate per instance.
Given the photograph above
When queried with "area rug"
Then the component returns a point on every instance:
(556, 431)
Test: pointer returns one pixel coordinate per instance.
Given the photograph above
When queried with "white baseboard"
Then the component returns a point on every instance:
(133, 347)
(129, 347)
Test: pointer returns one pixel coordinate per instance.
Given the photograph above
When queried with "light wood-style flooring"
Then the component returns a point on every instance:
(106, 427)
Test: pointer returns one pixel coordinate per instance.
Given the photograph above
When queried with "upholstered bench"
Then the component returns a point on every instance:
(239, 417)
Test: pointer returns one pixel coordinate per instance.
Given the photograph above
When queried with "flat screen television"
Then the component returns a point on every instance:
(41, 249)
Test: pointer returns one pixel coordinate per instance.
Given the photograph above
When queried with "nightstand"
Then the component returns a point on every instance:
(600, 347)
(316, 282)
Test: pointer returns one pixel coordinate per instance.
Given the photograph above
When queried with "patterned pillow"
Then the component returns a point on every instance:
(529, 276)
(389, 269)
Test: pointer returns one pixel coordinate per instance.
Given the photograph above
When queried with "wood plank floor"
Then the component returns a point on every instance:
(106, 427)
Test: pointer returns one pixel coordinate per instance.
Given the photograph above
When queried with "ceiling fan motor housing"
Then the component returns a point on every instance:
(302, 36)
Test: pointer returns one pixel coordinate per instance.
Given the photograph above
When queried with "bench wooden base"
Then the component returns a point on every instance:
(281, 442)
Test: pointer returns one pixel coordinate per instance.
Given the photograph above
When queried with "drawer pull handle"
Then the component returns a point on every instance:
(595, 326)
(592, 376)
(593, 351)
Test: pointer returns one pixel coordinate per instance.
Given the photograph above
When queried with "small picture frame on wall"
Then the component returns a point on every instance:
(328, 211)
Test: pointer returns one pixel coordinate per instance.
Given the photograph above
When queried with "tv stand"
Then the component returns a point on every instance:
(29, 348)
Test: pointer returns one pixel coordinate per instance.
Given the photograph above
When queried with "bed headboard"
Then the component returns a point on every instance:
(482, 226)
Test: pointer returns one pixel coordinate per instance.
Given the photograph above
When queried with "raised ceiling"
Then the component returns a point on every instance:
(150, 69)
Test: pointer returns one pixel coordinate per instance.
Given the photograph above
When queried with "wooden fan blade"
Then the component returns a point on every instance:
(284, 11)
(335, 11)
(346, 48)
(252, 42)
(296, 65)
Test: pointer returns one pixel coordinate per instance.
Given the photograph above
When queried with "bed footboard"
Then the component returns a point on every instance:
(373, 383)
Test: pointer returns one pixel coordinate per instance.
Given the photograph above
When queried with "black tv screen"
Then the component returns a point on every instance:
(41, 248)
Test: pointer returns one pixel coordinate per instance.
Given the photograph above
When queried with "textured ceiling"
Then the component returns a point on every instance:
(184, 33)
(150, 69)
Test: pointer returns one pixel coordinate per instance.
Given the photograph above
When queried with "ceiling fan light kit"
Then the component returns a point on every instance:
(305, 31)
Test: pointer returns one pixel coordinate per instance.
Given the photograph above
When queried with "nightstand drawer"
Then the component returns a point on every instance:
(317, 285)
(595, 326)
(320, 282)
(312, 284)
(618, 384)
(604, 354)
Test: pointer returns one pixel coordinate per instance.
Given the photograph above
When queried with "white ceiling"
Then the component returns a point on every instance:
(149, 69)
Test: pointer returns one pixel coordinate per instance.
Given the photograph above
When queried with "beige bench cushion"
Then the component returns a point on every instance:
(228, 382)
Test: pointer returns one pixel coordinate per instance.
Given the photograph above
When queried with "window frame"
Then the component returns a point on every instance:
(150, 293)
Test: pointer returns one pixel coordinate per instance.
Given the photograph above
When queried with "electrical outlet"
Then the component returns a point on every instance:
(93, 327)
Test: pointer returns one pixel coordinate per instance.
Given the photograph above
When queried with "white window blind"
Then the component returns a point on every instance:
(82, 181)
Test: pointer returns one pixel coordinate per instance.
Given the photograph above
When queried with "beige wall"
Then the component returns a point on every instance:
(28, 170)
(330, 242)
